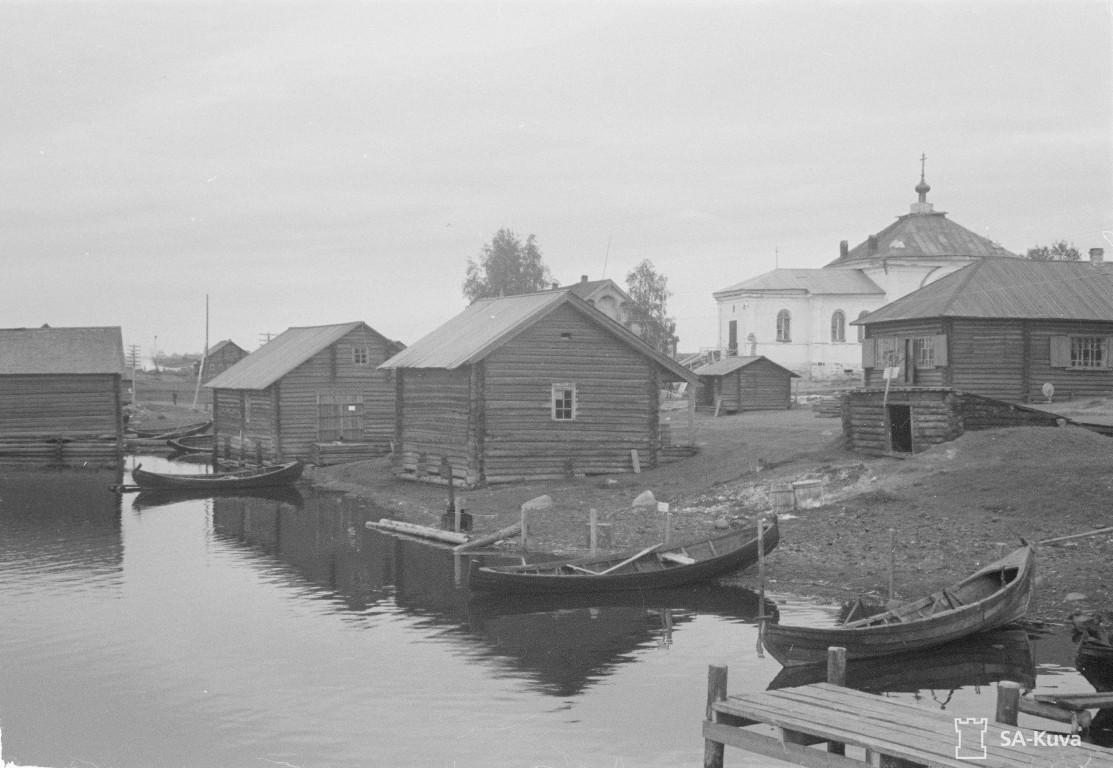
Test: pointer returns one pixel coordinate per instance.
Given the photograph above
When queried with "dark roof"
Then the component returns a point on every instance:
(732, 364)
(280, 355)
(814, 281)
(1010, 288)
(585, 288)
(489, 323)
(924, 235)
(61, 350)
(222, 344)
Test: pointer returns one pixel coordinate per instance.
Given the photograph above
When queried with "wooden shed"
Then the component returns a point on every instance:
(61, 395)
(313, 393)
(220, 357)
(736, 384)
(533, 386)
(1002, 328)
(904, 420)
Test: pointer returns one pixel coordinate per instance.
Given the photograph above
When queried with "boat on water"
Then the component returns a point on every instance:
(193, 443)
(166, 434)
(254, 477)
(162, 497)
(655, 567)
(982, 659)
(989, 598)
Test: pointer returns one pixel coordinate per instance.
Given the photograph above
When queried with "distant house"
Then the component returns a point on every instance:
(62, 384)
(1001, 328)
(305, 390)
(736, 384)
(222, 356)
(530, 386)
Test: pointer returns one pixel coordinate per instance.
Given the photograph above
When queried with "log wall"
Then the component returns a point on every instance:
(763, 386)
(616, 402)
(936, 418)
(435, 422)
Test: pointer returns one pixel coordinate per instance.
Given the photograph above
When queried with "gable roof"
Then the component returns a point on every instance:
(62, 350)
(1010, 288)
(489, 323)
(586, 288)
(222, 344)
(814, 281)
(282, 354)
(732, 364)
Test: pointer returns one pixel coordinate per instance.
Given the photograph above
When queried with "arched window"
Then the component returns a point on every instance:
(752, 341)
(862, 328)
(838, 326)
(784, 326)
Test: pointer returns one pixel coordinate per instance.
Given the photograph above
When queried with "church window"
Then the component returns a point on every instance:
(838, 326)
(862, 328)
(784, 326)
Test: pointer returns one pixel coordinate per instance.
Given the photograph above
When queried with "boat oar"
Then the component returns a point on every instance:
(1076, 535)
(125, 488)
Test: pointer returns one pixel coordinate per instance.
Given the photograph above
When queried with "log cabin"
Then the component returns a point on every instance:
(62, 395)
(736, 384)
(222, 356)
(535, 386)
(1001, 328)
(312, 393)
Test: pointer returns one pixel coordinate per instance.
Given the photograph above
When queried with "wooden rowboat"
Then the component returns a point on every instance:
(655, 567)
(193, 443)
(256, 477)
(166, 434)
(991, 597)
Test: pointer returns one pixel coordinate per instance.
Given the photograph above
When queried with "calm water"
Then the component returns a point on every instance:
(280, 631)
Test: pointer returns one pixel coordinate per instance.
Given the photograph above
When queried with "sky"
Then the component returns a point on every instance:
(309, 163)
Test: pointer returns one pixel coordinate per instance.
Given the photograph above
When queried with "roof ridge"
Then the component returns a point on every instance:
(973, 267)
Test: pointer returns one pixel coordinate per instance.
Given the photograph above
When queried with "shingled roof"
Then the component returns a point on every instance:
(489, 323)
(1010, 288)
(36, 351)
(280, 355)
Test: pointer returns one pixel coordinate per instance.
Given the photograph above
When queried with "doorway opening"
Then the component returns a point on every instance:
(900, 427)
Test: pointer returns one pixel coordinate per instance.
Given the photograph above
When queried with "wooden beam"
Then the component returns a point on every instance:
(756, 743)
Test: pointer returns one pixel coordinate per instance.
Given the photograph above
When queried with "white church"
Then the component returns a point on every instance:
(800, 318)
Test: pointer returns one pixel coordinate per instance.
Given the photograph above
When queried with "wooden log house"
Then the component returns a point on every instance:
(1002, 328)
(535, 386)
(312, 393)
(222, 356)
(62, 395)
(736, 384)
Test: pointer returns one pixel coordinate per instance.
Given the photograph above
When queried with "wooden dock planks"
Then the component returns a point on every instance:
(824, 712)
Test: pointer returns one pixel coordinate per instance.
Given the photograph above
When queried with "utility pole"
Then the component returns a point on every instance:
(204, 355)
(264, 337)
(133, 358)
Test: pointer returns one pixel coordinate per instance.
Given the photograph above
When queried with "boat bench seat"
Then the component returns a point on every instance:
(672, 558)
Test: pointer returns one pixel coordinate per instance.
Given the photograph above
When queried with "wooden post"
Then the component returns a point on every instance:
(634, 459)
(836, 675)
(458, 507)
(716, 691)
(692, 416)
(892, 559)
(525, 530)
(668, 524)
(1008, 701)
(593, 533)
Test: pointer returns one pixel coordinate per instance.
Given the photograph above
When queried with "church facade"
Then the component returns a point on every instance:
(800, 318)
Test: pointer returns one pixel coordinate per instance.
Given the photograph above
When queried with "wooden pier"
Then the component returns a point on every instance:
(891, 734)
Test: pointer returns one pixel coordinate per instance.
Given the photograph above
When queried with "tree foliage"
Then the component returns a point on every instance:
(1060, 250)
(506, 267)
(649, 314)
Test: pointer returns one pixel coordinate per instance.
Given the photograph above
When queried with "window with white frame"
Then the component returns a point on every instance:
(564, 402)
(784, 326)
(1088, 352)
(838, 326)
(360, 356)
(923, 351)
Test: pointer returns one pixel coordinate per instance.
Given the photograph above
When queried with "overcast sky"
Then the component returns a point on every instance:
(306, 163)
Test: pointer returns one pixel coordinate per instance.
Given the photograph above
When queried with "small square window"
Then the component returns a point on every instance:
(564, 402)
(360, 356)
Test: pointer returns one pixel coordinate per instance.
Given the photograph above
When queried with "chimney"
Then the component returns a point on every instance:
(583, 278)
(1097, 256)
(844, 249)
(871, 245)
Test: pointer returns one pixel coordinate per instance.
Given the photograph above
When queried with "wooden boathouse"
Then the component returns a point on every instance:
(222, 356)
(912, 419)
(735, 384)
(62, 395)
(541, 385)
(313, 393)
(1002, 328)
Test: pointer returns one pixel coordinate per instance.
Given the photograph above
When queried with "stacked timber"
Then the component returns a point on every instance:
(31, 450)
(326, 454)
(828, 406)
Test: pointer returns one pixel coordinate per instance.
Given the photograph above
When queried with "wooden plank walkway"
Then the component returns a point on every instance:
(894, 733)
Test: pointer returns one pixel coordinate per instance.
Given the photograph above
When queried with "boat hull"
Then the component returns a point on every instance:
(563, 577)
(791, 645)
(263, 477)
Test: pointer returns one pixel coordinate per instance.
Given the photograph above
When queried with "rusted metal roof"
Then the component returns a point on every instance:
(34, 351)
(1010, 288)
(924, 235)
(814, 281)
(732, 364)
(489, 323)
(280, 355)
